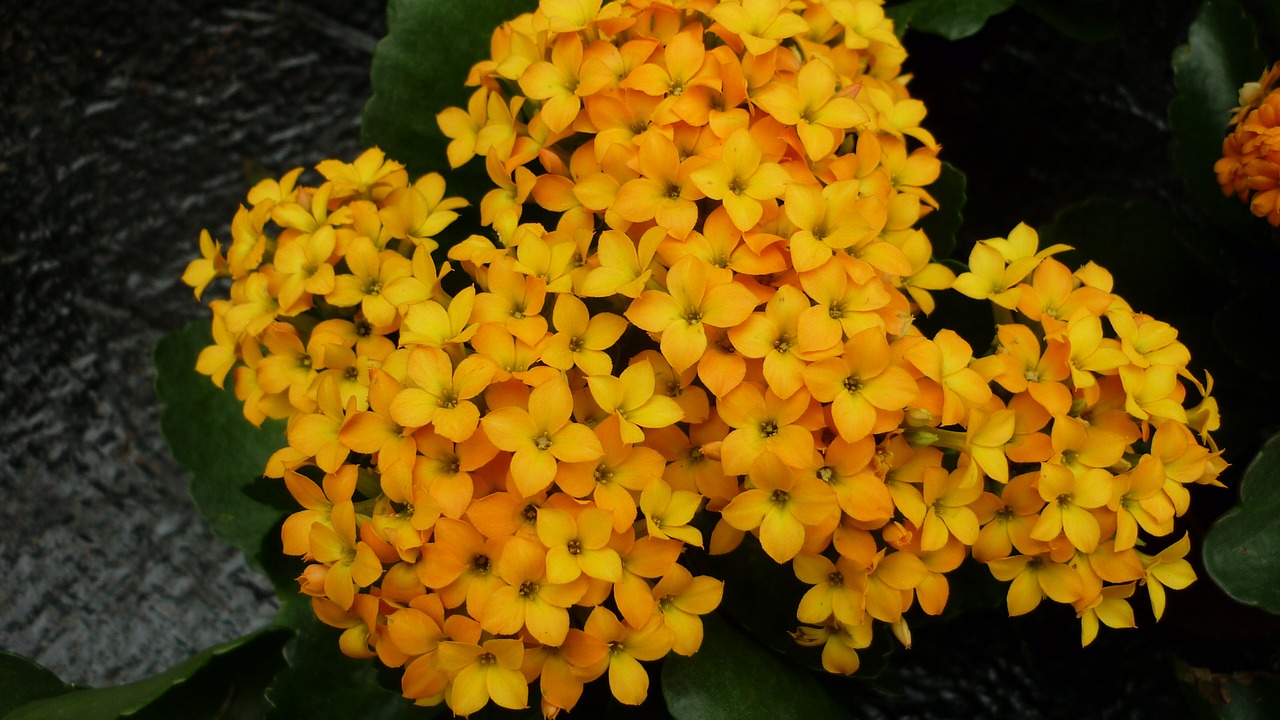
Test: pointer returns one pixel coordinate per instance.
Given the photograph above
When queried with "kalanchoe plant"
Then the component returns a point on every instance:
(697, 295)
(544, 444)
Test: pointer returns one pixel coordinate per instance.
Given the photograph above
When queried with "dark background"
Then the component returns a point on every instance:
(126, 127)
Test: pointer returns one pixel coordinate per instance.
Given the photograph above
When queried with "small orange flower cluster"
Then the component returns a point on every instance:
(453, 545)
(1250, 161)
(350, 253)
(1087, 437)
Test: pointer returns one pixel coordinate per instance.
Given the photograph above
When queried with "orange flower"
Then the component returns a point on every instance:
(866, 391)
(765, 425)
(529, 599)
(693, 299)
(740, 180)
(813, 107)
(781, 504)
(541, 436)
(443, 394)
(490, 671)
(627, 647)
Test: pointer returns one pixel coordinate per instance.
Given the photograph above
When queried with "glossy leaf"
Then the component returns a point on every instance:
(320, 683)
(419, 69)
(1242, 550)
(1221, 54)
(1084, 20)
(208, 434)
(734, 678)
(220, 682)
(25, 681)
(1138, 243)
(952, 19)
(942, 224)
(1235, 329)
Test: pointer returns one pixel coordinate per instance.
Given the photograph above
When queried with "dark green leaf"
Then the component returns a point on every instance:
(1235, 328)
(207, 433)
(1085, 20)
(734, 678)
(1234, 696)
(1266, 17)
(1242, 550)
(1251, 697)
(760, 596)
(419, 69)
(942, 225)
(1137, 242)
(24, 681)
(1221, 54)
(952, 19)
(320, 683)
(221, 682)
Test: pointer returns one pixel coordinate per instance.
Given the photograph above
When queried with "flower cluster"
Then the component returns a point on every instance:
(741, 182)
(318, 275)
(1087, 438)
(1250, 163)
(453, 545)
(697, 299)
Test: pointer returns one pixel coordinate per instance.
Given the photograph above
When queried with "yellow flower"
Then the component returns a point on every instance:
(541, 436)
(212, 264)
(694, 299)
(529, 599)
(780, 504)
(484, 672)
(1167, 568)
(581, 338)
(443, 393)
(627, 647)
(632, 399)
(813, 106)
(740, 179)
(578, 546)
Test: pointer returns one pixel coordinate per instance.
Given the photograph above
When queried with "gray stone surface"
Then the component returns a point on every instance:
(126, 127)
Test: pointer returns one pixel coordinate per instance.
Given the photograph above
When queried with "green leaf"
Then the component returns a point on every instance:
(1221, 54)
(220, 682)
(419, 69)
(1138, 243)
(1084, 20)
(1233, 696)
(952, 19)
(1266, 17)
(760, 596)
(1242, 549)
(1251, 697)
(942, 225)
(1235, 329)
(320, 683)
(208, 434)
(734, 678)
(24, 681)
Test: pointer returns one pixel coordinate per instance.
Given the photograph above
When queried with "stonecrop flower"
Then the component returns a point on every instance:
(695, 297)
(1250, 164)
